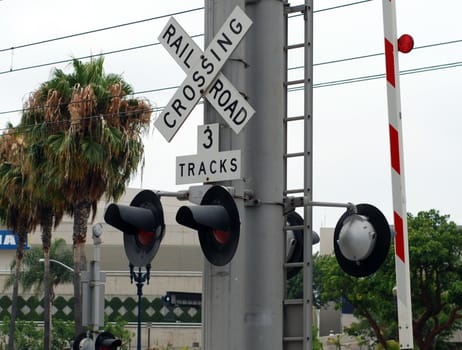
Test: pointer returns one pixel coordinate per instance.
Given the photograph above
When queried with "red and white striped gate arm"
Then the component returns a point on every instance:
(403, 283)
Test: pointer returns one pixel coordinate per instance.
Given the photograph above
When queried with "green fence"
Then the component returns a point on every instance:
(153, 309)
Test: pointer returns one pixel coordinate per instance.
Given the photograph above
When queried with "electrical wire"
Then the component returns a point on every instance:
(100, 29)
(293, 89)
(333, 7)
(11, 70)
(347, 59)
(382, 75)
(341, 6)
(143, 21)
(57, 122)
(323, 84)
(76, 102)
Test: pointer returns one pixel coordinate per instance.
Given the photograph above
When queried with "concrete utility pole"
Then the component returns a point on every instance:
(243, 299)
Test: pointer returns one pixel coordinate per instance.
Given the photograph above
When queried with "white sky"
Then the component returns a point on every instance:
(351, 151)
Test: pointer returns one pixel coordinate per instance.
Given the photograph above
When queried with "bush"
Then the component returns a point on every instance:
(118, 330)
(26, 336)
(63, 333)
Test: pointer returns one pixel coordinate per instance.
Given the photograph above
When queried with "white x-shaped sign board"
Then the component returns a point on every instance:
(204, 77)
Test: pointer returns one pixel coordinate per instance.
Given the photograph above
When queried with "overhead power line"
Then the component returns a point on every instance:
(92, 31)
(76, 102)
(340, 60)
(26, 128)
(347, 59)
(297, 88)
(323, 84)
(40, 65)
(100, 29)
(200, 35)
(333, 7)
(341, 6)
(382, 75)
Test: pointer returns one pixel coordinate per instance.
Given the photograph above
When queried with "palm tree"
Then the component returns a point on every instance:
(93, 143)
(49, 203)
(23, 171)
(15, 201)
(32, 277)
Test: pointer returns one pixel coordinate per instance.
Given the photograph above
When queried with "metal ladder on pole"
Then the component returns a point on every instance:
(298, 313)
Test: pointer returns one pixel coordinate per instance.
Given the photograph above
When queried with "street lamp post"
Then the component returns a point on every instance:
(47, 301)
(59, 263)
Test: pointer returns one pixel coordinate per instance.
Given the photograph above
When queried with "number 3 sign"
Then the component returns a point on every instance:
(209, 165)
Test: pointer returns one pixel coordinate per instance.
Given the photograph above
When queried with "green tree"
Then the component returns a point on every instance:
(32, 276)
(436, 258)
(17, 209)
(435, 249)
(23, 172)
(50, 205)
(90, 131)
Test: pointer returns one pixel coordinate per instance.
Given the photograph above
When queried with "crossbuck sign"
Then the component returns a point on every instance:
(204, 77)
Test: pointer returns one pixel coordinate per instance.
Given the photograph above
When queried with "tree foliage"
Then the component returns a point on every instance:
(435, 249)
(85, 133)
(32, 278)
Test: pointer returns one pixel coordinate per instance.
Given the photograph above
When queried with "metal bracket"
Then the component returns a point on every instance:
(298, 8)
(250, 200)
(195, 193)
(180, 195)
(290, 203)
(245, 63)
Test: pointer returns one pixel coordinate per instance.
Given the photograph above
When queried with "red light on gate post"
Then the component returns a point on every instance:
(405, 43)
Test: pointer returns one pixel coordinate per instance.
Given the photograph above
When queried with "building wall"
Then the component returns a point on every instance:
(178, 264)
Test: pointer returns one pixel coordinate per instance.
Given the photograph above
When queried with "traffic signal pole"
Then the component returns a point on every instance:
(264, 165)
(243, 299)
(139, 278)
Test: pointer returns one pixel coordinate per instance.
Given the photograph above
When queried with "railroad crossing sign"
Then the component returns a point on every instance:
(209, 165)
(204, 77)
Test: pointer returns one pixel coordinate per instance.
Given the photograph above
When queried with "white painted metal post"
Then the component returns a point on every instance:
(397, 173)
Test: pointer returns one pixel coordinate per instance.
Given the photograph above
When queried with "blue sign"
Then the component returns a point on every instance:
(9, 240)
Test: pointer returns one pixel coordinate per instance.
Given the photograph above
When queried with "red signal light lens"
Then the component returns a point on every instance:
(145, 238)
(221, 236)
(405, 43)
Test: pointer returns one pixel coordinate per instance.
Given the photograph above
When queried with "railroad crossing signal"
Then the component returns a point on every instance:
(362, 240)
(217, 222)
(107, 341)
(104, 341)
(294, 237)
(204, 78)
(142, 223)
